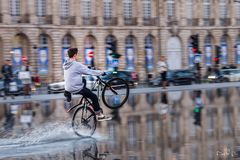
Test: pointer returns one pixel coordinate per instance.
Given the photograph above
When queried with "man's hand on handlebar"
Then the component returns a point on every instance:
(104, 74)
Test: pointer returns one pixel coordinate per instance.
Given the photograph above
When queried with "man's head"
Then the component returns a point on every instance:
(7, 61)
(72, 53)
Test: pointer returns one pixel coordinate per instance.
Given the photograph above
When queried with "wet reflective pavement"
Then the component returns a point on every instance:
(150, 126)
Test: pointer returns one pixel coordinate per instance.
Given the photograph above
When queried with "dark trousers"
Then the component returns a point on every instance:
(88, 94)
(6, 85)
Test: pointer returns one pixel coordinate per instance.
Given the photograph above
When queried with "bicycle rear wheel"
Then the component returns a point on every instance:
(115, 93)
(84, 121)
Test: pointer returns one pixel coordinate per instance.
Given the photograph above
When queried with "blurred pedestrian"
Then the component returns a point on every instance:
(25, 76)
(162, 68)
(7, 74)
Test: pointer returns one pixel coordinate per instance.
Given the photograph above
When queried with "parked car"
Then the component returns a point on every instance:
(231, 74)
(59, 87)
(131, 77)
(181, 77)
(215, 77)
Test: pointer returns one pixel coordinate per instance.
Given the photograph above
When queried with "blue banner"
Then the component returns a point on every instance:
(16, 59)
(190, 57)
(88, 59)
(64, 54)
(224, 54)
(149, 59)
(130, 59)
(109, 59)
(208, 55)
(43, 61)
(238, 54)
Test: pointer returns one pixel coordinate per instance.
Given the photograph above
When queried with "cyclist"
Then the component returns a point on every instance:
(74, 84)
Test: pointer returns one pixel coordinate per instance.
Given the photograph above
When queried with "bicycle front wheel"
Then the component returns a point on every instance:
(84, 121)
(115, 93)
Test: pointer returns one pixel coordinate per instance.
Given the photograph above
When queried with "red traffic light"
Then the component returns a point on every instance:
(194, 50)
(216, 59)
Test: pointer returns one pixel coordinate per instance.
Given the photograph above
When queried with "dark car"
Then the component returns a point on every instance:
(181, 77)
(130, 77)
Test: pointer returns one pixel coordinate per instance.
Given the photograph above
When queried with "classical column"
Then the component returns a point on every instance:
(56, 12)
(32, 11)
(120, 12)
(6, 11)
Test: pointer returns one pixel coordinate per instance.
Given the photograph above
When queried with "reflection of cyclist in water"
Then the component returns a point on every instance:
(73, 71)
(87, 151)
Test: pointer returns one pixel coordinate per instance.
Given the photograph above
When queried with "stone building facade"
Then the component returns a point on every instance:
(143, 29)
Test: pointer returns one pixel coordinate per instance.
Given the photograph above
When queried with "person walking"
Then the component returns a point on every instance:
(162, 70)
(25, 76)
(7, 74)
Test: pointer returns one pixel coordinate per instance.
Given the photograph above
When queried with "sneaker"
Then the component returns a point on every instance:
(102, 117)
(67, 105)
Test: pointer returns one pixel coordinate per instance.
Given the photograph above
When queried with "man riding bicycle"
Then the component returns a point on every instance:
(74, 84)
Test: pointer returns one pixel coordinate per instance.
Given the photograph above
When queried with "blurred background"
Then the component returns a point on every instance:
(197, 41)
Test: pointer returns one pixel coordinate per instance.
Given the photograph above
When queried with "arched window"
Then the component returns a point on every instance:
(66, 43)
(64, 10)
(149, 53)
(41, 8)
(86, 11)
(128, 9)
(190, 9)
(147, 9)
(208, 50)
(224, 50)
(15, 7)
(43, 55)
(171, 8)
(130, 53)
(43, 41)
(109, 41)
(107, 8)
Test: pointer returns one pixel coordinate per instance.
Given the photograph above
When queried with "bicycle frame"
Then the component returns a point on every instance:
(97, 84)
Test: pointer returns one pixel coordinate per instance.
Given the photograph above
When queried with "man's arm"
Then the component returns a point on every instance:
(82, 69)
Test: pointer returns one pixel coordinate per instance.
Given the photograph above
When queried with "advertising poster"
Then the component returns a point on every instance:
(17, 59)
(64, 54)
(43, 61)
(190, 57)
(88, 59)
(149, 59)
(130, 64)
(238, 54)
(109, 59)
(224, 54)
(208, 55)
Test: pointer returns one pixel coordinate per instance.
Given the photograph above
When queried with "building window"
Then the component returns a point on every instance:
(66, 42)
(64, 10)
(208, 50)
(43, 40)
(87, 9)
(207, 9)
(237, 5)
(128, 10)
(171, 8)
(15, 7)
(223, 9)
(190, 9)
(107, 8)
(147, 9)
(41, 8)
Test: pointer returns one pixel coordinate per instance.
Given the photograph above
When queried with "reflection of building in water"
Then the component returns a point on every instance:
(144, 133)
(139, 135)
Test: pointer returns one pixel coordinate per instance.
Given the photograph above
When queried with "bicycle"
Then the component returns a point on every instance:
(115, 93)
